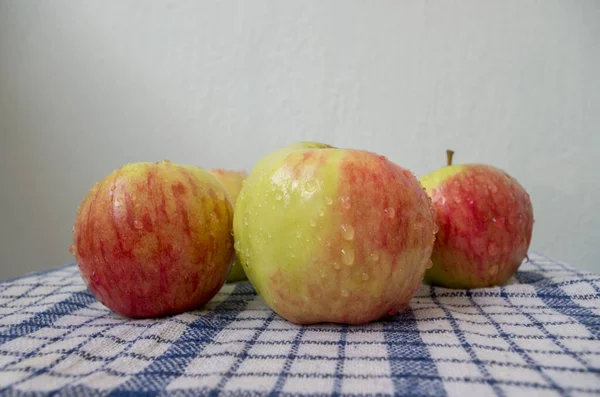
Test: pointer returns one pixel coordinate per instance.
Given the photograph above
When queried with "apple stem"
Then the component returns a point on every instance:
(449, 154)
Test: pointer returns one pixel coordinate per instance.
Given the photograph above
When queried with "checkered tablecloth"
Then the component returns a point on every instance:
(538, 335)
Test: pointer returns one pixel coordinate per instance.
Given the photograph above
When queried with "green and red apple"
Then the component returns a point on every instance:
(153, 239)
(333, 235)
(485, 220)
(232, 181)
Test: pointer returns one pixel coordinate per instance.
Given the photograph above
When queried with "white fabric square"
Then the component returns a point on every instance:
(43, 383)
(37, 362)
(268, 349)
(212, 365)
(446, 352)
(103, 347)
(8, 378)
(128, 365)
(102, 380)
(378, 350)
(364, 336)
(220, 348)
(366, 367)
(313, 366)
(456, 388)
(584, 380)
(317, 336)
(306, 385)
(318, 350)
(511, 374)
(557, 360)
(262, 365)
(502, 356)
(194, 382)
(540, 345)
(235, 335)
(277, 336)
(459, 370)
(22, 345)
(522, 330)
(246, 324)
(367, 386)
(255, 383)
(150, 347)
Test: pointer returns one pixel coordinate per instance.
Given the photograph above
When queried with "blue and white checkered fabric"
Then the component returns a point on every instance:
(538, 335)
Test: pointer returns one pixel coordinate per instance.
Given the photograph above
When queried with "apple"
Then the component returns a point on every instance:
(232, 181)
(485, 220)
(153, 239)
(333, 235)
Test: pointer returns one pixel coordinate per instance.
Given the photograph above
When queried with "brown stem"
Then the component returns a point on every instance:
(449, 154)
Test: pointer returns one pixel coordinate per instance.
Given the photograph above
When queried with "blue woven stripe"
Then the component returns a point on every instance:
(560, 301)
(152, 380)
(403, 349)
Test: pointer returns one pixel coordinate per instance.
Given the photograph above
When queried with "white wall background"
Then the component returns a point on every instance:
(86, 86)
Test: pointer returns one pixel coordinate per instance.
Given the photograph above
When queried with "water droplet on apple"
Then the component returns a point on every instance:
(269, 235)
(429, 264)
(436, 227)
(138, 224)
(457, 199)
(336, 265)
(347, 232)
(298, 234)
(493, 270)
(348, 256)
(321, 212)
(278, 196)
(390, 212)
(346, 203)
(259, 204)
(364, 277)
(246, 220)
(237, 245)
(273, 187)
(95, 278)
(213, 214)
(345, 293)
(328, 200)
(374, 257)
(312, 222)
(310, 186)
(493, 188)
(521, 218)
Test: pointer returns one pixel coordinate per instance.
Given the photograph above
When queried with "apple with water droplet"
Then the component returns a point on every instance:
(333, 235)
(232, 181)
(153, 239)
(485, 220)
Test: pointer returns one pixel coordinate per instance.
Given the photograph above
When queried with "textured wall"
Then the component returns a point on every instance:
(86, 86)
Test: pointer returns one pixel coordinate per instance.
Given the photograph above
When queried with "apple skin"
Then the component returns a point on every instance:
(485, 220)
(153, 239)
(232, 181)
(333, 235)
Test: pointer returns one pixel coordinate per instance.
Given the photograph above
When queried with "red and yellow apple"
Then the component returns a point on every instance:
(232, 181)
(333, 235)
(485, 220)
(153, 239)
